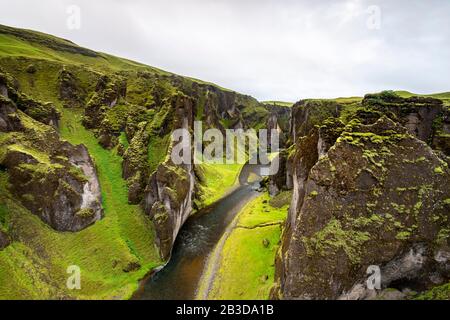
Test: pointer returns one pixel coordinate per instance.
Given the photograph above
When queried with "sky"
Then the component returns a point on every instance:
(271, 49)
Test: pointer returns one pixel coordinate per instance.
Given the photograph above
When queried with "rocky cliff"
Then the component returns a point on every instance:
(132, 110)
(53, 179)
(367, 191)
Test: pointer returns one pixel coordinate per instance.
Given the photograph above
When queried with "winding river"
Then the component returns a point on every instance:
(180, 278)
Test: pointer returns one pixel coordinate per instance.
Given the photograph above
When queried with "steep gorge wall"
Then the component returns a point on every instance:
(135, 112)
(367, 190)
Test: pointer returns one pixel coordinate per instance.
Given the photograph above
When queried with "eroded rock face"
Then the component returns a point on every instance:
(168, 202)
(277, 181)
(107, 94)
(42, 112)
(417, 114)
(4, 240)
(9, 121)
(377, 196)
(169, 194)
(70, 90)
(135, 164)
(64, 194)
(53, 179)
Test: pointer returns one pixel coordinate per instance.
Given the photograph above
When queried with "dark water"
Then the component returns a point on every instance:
(180, 277)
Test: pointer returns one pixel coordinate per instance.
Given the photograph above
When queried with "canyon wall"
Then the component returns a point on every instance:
(367, 191)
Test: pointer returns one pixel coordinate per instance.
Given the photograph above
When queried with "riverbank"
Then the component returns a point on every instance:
(253, 240)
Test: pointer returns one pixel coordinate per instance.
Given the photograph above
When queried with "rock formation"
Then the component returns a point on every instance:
(368, 192)
(53, 179)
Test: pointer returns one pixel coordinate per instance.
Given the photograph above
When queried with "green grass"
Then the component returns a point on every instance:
(407, 94)
(278, 103)
(11, 46)
(157, 151)
(14, 46)
(35, 267)
(253, 243)
(219, 180)
(124, 140)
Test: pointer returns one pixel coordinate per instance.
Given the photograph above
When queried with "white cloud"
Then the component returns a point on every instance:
(270, 49)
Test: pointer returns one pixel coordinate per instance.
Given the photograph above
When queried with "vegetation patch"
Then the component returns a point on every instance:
(254, 242)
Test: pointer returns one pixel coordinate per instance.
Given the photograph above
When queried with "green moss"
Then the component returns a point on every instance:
(404, 235)
(418, 206)
(443, 236)
(28, 197)
(437, 293)
(314, 194)
(116, 118)
(157, 151)
(400, 208)
(85, 213)
(124, 140)
(372, 155)
(36, 154)
(282, 199)
(363, 222)
(334, 237)
(438, 170)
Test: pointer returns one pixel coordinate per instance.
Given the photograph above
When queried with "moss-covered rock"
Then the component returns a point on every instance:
(70, 90)
(371, 199)
(9, 121)
(53, 179)
(43, 112)
(417, 114)
(135, 165)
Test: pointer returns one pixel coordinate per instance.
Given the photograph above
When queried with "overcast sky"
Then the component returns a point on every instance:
(271, 49)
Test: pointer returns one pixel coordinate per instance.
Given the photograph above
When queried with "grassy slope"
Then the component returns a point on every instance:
(278, 103)
(404, 94)
(38, 262)
(258, 221)
(35, 267)
(125, 234)
(219, 180)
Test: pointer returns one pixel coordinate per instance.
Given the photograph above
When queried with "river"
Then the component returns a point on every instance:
(180, 278)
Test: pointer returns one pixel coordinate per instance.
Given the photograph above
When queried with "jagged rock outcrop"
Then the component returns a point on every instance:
(70, 90)
(107, 95)
(9, 121)
(170, 192)
(135, 164)
(278, 121)
(367, 192)
(417, 114)
(277, 181)
(53, 179)
(42, 112)
(168, 201)
(307, 114)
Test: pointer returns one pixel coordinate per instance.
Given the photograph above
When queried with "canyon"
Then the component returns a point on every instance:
(86, 178)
